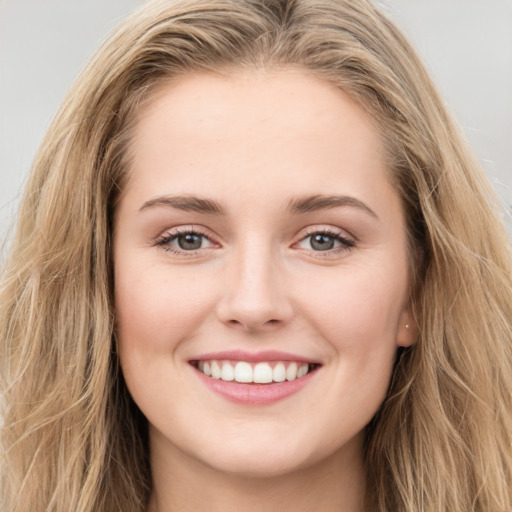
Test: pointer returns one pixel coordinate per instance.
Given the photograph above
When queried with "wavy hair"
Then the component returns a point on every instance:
(72, 439)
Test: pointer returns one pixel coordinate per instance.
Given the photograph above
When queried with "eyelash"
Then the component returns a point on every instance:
(346, 244)
(166, 239)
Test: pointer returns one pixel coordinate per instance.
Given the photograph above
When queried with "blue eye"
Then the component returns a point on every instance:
(189, 241)
(184, 241)
(323, 241)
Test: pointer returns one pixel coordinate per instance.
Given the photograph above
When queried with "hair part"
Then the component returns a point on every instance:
(72, 437)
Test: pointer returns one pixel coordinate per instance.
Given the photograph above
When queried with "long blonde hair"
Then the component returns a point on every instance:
(72, 438)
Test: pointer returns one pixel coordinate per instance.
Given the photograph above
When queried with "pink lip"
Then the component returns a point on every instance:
(266, 355)
(253, 394)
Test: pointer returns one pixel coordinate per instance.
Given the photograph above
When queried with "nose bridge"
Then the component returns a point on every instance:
(254, 266)
(254, 297)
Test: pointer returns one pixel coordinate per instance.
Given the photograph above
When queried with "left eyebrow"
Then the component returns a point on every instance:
(322, 202)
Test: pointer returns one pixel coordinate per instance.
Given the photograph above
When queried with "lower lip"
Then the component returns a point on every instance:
(255, 394)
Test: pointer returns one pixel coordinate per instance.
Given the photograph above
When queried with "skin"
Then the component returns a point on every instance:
(252, 142)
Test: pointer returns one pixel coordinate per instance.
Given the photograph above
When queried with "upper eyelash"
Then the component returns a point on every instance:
(346, 241)
(163, 240)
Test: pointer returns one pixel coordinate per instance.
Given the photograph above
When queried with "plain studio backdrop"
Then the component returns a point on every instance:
(466, 44)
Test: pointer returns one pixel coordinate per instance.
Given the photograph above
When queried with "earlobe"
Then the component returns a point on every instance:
(407, 332)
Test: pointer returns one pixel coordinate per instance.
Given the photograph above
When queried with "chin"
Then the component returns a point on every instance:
(259, 465)
(270, 457)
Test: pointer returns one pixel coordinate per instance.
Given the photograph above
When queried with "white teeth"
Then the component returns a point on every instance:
(291, 371)
(303, 369)
(279, 374)
(259, 373)
(262, 373)
(228, 373)
(243, 372)
(216, 371)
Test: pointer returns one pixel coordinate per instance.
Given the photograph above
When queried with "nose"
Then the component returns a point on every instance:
(255, 297)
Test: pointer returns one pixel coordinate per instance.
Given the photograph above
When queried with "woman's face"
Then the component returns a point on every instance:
(258, 237)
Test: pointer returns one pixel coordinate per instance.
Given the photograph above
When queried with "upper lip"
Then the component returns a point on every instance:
(261, 356)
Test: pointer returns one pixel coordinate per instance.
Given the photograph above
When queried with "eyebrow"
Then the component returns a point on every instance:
(295, 206)
(321, 202)
(186, 203)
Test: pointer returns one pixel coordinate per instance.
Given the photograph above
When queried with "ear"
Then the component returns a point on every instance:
(407, 328)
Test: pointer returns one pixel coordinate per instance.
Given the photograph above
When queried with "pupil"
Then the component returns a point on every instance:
(322, 242)
(189, 242)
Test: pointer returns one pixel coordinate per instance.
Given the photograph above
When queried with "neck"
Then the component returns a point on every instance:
(182, 483)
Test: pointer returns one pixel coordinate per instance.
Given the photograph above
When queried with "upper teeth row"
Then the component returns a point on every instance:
(261, 373)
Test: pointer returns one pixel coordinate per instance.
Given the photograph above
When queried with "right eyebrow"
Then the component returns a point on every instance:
(186, 203)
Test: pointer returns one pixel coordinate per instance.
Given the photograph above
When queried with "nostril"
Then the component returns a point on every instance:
(254, 324)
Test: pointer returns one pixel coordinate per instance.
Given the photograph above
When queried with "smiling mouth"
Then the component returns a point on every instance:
(245, 372)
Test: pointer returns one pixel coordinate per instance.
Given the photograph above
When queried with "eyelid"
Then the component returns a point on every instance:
(347, 241)
(328, 230)
(172, 233)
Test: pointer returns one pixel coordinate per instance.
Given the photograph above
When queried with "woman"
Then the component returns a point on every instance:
(256, 267)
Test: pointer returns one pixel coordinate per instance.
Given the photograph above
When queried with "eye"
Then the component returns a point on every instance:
(184, 240)
(189, 241)
(326, 240)
(321, 242)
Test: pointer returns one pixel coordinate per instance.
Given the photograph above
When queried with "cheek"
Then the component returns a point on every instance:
(357, 308)
(157, 308)
(358, 313)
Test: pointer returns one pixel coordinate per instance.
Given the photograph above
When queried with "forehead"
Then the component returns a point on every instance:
(266, 99)
(254, 129)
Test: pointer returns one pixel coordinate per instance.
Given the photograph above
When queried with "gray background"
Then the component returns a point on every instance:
(467, 45)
